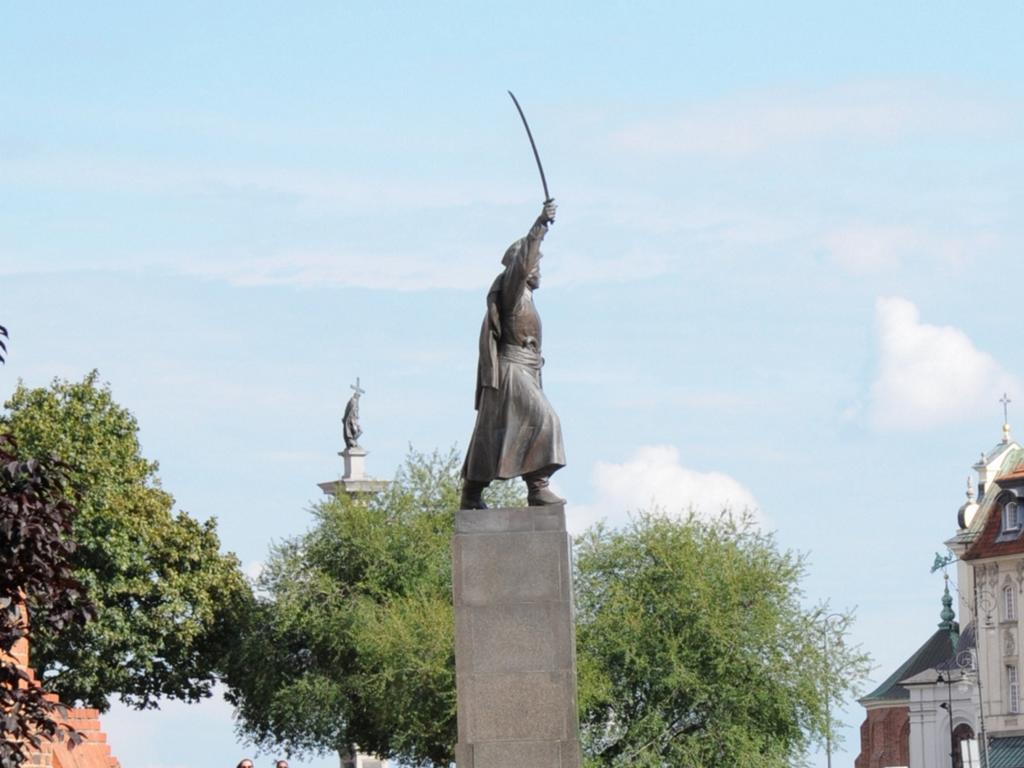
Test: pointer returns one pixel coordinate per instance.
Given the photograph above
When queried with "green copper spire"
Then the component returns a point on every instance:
(948, 616)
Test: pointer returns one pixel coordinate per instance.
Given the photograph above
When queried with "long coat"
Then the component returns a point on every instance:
(517, 431)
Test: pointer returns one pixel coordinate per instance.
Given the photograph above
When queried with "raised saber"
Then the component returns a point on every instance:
(536, 155)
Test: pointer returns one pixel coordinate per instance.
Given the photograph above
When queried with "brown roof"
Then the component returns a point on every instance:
(1015, 477)
(990, 540)
(990, 543)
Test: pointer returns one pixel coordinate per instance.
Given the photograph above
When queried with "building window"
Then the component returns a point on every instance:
(1009, 603)
(965, 747)
(1013, 690)
(1011, 517)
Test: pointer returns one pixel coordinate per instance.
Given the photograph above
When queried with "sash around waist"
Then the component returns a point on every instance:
(521, 356)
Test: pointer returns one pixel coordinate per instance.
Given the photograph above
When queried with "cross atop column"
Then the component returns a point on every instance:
(1005, 400)
(355, 387)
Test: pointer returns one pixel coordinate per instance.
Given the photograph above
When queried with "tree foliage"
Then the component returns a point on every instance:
(353, 638)
(695, 648)
(166, 598)
(35, 573)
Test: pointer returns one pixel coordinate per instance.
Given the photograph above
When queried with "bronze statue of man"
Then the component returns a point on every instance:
(350, 420)
(517, 432)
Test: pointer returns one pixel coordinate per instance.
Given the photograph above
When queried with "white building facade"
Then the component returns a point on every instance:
(956, 702)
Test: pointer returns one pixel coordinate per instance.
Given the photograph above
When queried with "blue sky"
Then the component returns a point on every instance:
(784, 271)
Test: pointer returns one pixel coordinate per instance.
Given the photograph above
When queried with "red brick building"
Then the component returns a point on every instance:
(885, 732)
(93, 752)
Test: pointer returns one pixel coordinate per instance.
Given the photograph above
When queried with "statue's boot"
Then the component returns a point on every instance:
(472, 497)
(538, 493)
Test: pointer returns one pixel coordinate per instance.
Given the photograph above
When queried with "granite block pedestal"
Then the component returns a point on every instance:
(515, 653)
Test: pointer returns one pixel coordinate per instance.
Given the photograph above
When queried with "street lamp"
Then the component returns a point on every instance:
(826, 626)
(986, 601)
(965, 674)
(948, 706)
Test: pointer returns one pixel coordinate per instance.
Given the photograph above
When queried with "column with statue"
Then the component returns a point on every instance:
(354, 480)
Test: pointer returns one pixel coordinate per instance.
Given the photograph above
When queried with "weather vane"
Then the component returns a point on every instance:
(942, 562)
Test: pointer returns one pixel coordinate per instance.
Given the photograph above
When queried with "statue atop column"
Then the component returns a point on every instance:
(350, 421)
(355, 481)
(517, 432)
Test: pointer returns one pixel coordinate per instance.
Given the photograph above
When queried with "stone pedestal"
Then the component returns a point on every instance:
(515, 652)
(360, 760)
(355, 462)
(355, 479)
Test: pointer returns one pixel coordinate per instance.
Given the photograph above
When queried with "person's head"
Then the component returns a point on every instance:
(245, 762)
(512, 251)
(281, 764)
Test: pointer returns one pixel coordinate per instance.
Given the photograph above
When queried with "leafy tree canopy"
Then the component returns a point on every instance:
(695, 648)
(167, 600)
(353, 638)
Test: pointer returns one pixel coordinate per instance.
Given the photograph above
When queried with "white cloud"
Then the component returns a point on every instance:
(654, 475)
(870, 249)
(865, 248)
(574, 267)
(929, 375)
(453, 269)
(308, 269)
(863, 112)
(458, 269)
(321, 191)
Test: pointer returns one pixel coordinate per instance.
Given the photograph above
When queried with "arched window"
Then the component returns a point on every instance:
(1009, 603)
(963, 741)
(1011, 516)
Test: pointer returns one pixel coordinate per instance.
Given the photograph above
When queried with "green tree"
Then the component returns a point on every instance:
(695, 648)
(352, 640)
(167, 599)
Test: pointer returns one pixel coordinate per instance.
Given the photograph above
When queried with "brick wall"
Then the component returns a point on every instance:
(884, 738)
(93, 752)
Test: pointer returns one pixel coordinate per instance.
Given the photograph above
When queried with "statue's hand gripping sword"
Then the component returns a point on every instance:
(536, 155)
